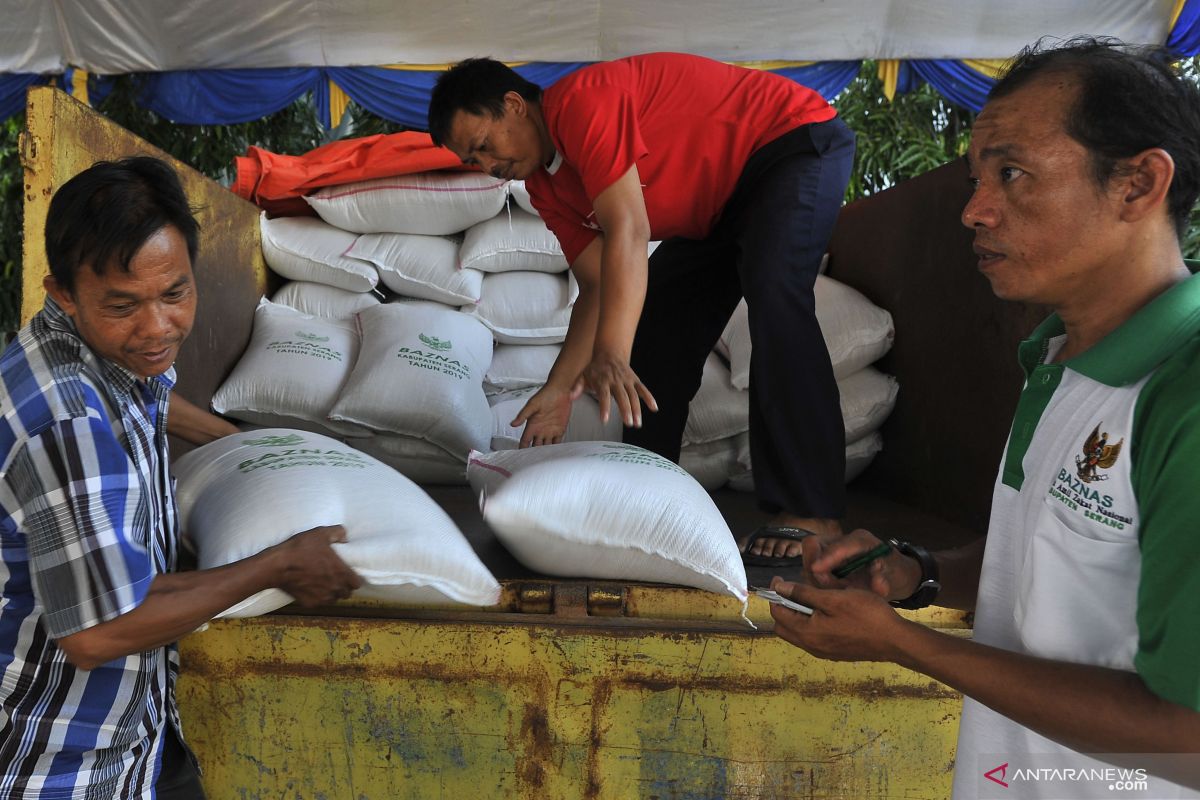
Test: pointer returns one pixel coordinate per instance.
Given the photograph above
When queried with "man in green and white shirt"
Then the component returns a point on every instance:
(1086, 166)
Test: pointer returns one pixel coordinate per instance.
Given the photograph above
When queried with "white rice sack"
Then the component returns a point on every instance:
(718, 411)
(291, 372)
(856, 331)
(420, 266)
(525, 307)
(307, 249)
(416, 459)
(517, 366)
(420, 373)
(606, 510)
(434, 203)
(513, 240)
(713, 463)
(244, 493)
(859, 456)
(521, 195)
(584, 424)
(868, 396)
(320, 300)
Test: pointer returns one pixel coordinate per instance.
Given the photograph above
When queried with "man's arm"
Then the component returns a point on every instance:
(547, 413)
(304, 566)
(621, 212)
(611, 273)
(1087, 708)
(194, 425)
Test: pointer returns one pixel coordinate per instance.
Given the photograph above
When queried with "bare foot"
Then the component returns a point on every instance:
(786, 548)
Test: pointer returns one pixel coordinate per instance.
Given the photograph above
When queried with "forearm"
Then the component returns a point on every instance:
(624, 270)
(193, 424)
(176, 604)
(581, 335)
(1087, 708)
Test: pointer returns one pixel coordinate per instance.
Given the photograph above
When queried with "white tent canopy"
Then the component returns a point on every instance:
(117, 36)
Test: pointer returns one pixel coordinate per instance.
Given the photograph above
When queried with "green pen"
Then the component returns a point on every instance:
(861, 560)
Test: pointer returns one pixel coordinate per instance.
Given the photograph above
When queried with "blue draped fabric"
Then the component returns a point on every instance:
(955, 81)
(216, 97)
(828, 78)
(402, 96)
(12, 90)
(1185, 36)
(223, 96)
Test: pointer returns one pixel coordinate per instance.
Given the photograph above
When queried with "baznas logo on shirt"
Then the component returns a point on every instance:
(1097, 454)
(434, 342)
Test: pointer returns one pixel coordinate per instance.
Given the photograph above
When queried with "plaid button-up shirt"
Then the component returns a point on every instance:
(87, 520)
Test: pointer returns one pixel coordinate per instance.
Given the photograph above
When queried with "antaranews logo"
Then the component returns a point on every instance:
(1052, 779)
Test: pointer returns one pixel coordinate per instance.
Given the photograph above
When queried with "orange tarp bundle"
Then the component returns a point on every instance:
(277, 183)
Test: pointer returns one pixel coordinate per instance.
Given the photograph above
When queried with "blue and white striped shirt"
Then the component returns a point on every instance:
(87, 520)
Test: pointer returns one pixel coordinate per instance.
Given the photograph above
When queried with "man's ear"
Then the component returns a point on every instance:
(515, 103)
(1147, 180)
(61, 295)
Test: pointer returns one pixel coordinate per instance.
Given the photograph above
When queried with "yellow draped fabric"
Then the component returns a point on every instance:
(338, 101)
(889, 74)
(990, 67)
(79, 87)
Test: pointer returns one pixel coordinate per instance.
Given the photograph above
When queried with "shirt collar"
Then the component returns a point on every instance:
(1138, 346)
(555, 163)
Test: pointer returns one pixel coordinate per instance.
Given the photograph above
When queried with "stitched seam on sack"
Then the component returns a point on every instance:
(492, 467)
(408, 187)
(311, 260)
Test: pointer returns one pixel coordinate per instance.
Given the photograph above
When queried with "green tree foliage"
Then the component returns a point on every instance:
(900, 138)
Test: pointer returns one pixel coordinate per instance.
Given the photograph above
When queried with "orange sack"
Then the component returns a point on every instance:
(277, 183)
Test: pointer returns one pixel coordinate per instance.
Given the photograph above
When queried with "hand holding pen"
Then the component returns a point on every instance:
(857, 562)
(857, 559)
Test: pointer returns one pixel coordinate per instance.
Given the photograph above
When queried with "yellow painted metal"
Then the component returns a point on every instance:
(534, 706)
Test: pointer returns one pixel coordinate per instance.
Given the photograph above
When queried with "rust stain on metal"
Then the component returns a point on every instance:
(601, 695)
(538, 746)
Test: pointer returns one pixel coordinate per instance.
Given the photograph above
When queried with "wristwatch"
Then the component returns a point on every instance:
(929, 586)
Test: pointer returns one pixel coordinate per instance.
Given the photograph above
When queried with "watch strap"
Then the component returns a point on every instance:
(929, 585)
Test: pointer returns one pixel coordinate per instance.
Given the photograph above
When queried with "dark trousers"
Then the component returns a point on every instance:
(178, 779)
(767, 247)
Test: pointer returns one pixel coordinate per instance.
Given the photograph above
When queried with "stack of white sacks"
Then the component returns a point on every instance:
(479, 301)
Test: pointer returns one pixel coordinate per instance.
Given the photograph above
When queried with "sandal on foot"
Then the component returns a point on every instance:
(774, 532)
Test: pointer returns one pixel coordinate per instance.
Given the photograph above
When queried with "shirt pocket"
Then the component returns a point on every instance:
(1077, 590)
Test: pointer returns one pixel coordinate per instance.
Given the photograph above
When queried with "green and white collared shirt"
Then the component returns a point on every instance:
(1093, 551)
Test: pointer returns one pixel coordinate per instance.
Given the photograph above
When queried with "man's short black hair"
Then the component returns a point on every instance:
(476, 86)
(104, 215)
(1129, 99)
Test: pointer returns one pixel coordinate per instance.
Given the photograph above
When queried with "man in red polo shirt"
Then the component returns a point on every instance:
(741, 173)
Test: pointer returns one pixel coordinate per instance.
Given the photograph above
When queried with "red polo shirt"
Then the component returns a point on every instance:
(689, 123)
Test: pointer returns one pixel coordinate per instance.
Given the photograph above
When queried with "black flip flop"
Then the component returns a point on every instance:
(774, 532)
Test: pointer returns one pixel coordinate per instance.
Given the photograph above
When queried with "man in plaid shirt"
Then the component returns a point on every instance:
(90, 603)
